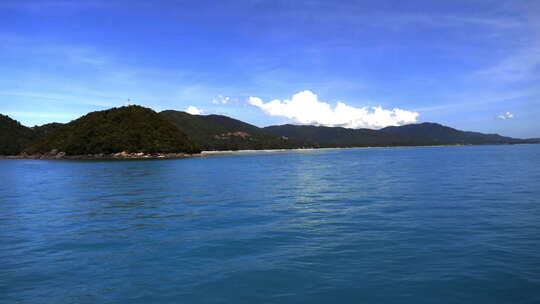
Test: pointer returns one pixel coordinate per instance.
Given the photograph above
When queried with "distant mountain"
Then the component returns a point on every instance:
(408, 135)
(218, 132)
(440, 134)
(342, 137)
(14, 137)
(130, 129)
(139, 129)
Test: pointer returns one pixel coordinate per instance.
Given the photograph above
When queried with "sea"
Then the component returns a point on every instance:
(456, 224)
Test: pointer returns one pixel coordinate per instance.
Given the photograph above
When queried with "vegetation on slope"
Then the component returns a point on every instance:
(14, 137)
(45, 130)
(440, 134)
(136, 129)
(407, 135)
(218, 132)
(131, 129)
(328, 137)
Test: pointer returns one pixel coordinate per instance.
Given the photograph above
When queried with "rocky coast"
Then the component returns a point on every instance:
(55, 154)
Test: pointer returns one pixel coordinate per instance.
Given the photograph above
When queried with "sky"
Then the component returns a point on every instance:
(469, 64)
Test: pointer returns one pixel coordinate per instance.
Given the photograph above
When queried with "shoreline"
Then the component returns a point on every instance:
(351, 148)
(114, 156)
(53, 155)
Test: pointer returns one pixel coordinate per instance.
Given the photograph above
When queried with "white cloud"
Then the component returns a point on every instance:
(193, 110)
(505, 116)
(221, 100)
(305, 108)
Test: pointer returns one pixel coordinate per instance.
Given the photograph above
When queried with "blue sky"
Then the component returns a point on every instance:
(466, 64)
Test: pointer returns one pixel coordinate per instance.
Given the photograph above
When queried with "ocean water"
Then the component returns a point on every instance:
(384, 225)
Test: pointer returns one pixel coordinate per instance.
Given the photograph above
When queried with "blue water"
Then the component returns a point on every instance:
(388, 225)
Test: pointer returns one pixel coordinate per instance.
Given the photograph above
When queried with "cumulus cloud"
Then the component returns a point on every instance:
(221, 100)
(193, 110)
(505, 116)
(305, 108)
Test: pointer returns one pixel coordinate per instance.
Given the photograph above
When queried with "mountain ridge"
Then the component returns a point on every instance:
(444, 134)
(131, 129)
(219, 132)
(125, 129)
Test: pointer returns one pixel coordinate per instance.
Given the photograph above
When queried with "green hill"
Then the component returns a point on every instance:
(137, 129)
(328, 137)
(218, 132)
(131, 129)
(440, 134)
(408, 135)
(14, 137)
(46, 130)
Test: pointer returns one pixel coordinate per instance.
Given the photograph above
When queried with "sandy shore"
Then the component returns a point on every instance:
(312, 149)
(126, 155)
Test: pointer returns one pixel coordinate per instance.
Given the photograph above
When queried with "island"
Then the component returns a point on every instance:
(135, 132)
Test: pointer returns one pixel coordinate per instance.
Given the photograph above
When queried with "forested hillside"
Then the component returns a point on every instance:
(130, 129)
